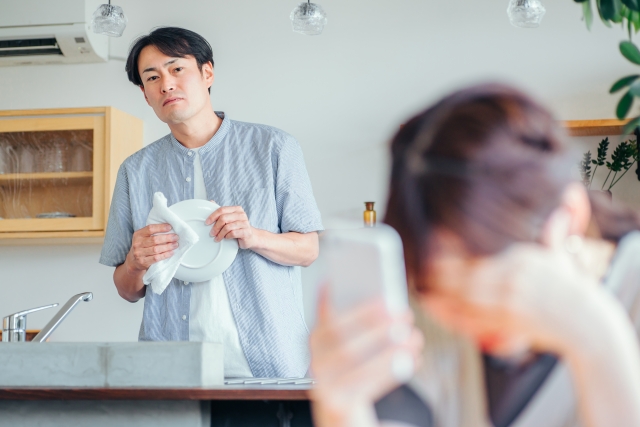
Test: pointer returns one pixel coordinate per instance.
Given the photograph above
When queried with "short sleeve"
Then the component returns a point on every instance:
(117, 239)
(297, 208)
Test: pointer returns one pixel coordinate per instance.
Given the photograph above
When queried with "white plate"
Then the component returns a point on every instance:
(207, 258)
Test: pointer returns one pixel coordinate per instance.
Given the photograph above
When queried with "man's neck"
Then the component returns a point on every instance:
(198, 130)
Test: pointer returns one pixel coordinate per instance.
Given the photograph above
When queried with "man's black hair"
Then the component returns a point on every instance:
(171, 41)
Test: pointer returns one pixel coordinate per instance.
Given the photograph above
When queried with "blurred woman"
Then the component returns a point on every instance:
(517, 329)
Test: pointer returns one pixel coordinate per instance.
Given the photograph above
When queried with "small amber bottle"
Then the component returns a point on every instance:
(369, 215)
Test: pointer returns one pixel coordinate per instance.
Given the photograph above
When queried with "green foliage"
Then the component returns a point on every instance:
(624, 156)
(626, 13)
(624, 105)
(603, 147)
(630, 51)
(610, 10)
(632, 4)
(585, 169)
(623, 82)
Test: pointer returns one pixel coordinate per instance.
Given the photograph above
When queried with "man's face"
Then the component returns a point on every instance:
(174, 87)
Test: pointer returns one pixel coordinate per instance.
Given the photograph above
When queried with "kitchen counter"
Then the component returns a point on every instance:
(158, 384)
(234, 405)
(288, 393)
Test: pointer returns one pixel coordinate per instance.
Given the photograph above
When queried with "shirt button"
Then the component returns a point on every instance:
(186, 283)
(190, 153)
(184, 317)
(188, 179)
(238, 306)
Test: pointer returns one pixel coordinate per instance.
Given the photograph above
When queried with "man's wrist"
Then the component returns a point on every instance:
(258, 239)
(131, 269)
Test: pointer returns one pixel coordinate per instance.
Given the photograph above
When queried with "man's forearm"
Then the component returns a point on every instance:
(292, 249)
(129, 282)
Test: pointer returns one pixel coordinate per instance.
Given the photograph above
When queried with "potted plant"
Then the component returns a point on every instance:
(625, 13)
(624, 156)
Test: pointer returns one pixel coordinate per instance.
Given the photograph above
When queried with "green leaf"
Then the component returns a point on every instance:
(587, 13)
(632, 4)
(608, 9)
(630, 51)
(635, 89)
(603, 147)
(630, 127)
(624, 105)
(623, 82)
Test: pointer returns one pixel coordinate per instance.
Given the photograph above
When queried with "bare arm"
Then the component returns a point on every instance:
(287, 248)
(147, 248)
(293, 249)
(605, 362)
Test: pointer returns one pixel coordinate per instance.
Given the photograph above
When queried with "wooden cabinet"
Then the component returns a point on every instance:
(58, 169)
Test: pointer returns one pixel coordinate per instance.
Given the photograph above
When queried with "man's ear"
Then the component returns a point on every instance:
(207, 73)
(570, 218)
(145, 95)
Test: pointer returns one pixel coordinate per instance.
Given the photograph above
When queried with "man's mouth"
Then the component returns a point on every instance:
(170, 101)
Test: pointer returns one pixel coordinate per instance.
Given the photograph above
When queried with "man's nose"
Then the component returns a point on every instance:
(168, 85)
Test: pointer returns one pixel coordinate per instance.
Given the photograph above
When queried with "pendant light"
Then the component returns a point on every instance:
(308, 18)
(525, 13)
(109, 20)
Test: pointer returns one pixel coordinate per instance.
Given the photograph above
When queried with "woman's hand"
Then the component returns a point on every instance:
(529, 296)
(532, 297)
(357, 357)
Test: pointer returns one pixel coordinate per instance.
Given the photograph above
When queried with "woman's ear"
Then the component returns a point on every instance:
(570, 218)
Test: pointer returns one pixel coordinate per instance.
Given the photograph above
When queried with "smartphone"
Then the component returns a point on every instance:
(364, 263)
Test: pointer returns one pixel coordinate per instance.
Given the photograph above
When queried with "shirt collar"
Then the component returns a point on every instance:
(217, 137)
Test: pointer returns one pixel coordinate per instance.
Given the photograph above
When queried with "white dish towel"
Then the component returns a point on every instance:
(159, 275)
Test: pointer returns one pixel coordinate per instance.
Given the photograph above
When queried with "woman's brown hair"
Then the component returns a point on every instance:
(486, 163)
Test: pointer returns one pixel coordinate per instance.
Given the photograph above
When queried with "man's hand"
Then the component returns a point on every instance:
(231, 222)
(291, 248)
(149, 247)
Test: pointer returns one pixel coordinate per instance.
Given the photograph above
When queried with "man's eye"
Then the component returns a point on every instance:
(179, 68)
(152, 78)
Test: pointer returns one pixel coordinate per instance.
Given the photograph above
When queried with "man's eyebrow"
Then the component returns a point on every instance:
(165, 64)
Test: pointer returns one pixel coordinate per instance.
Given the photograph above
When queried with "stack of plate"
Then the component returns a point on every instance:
(55, 215)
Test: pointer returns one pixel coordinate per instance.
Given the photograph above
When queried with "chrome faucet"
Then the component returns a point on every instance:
(14, 326)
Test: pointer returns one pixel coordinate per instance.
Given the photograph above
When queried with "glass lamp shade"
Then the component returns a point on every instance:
(109, 20)
(525, 13)
(308, 18)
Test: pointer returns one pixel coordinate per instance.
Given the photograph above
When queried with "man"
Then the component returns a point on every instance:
(257, 174)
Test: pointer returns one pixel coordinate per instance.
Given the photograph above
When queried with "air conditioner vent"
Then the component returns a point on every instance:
(24, 47)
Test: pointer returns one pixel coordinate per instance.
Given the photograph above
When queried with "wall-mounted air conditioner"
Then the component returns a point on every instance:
(50, 32)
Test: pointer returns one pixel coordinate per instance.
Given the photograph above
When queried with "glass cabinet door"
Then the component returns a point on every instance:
(51, 174)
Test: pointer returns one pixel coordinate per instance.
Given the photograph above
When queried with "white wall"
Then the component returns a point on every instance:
(342, 94)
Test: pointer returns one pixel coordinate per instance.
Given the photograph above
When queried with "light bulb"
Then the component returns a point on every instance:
(525, 13)
(109, 20)
(308, 18)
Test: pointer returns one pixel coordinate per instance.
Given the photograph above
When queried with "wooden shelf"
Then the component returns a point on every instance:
(602, 127)
(46, 176)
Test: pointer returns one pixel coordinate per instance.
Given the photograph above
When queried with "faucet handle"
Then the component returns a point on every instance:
(18, 320)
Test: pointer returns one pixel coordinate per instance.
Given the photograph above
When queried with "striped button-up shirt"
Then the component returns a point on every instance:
(254, 166)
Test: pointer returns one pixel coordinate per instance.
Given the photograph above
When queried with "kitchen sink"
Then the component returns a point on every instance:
(116, 365)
